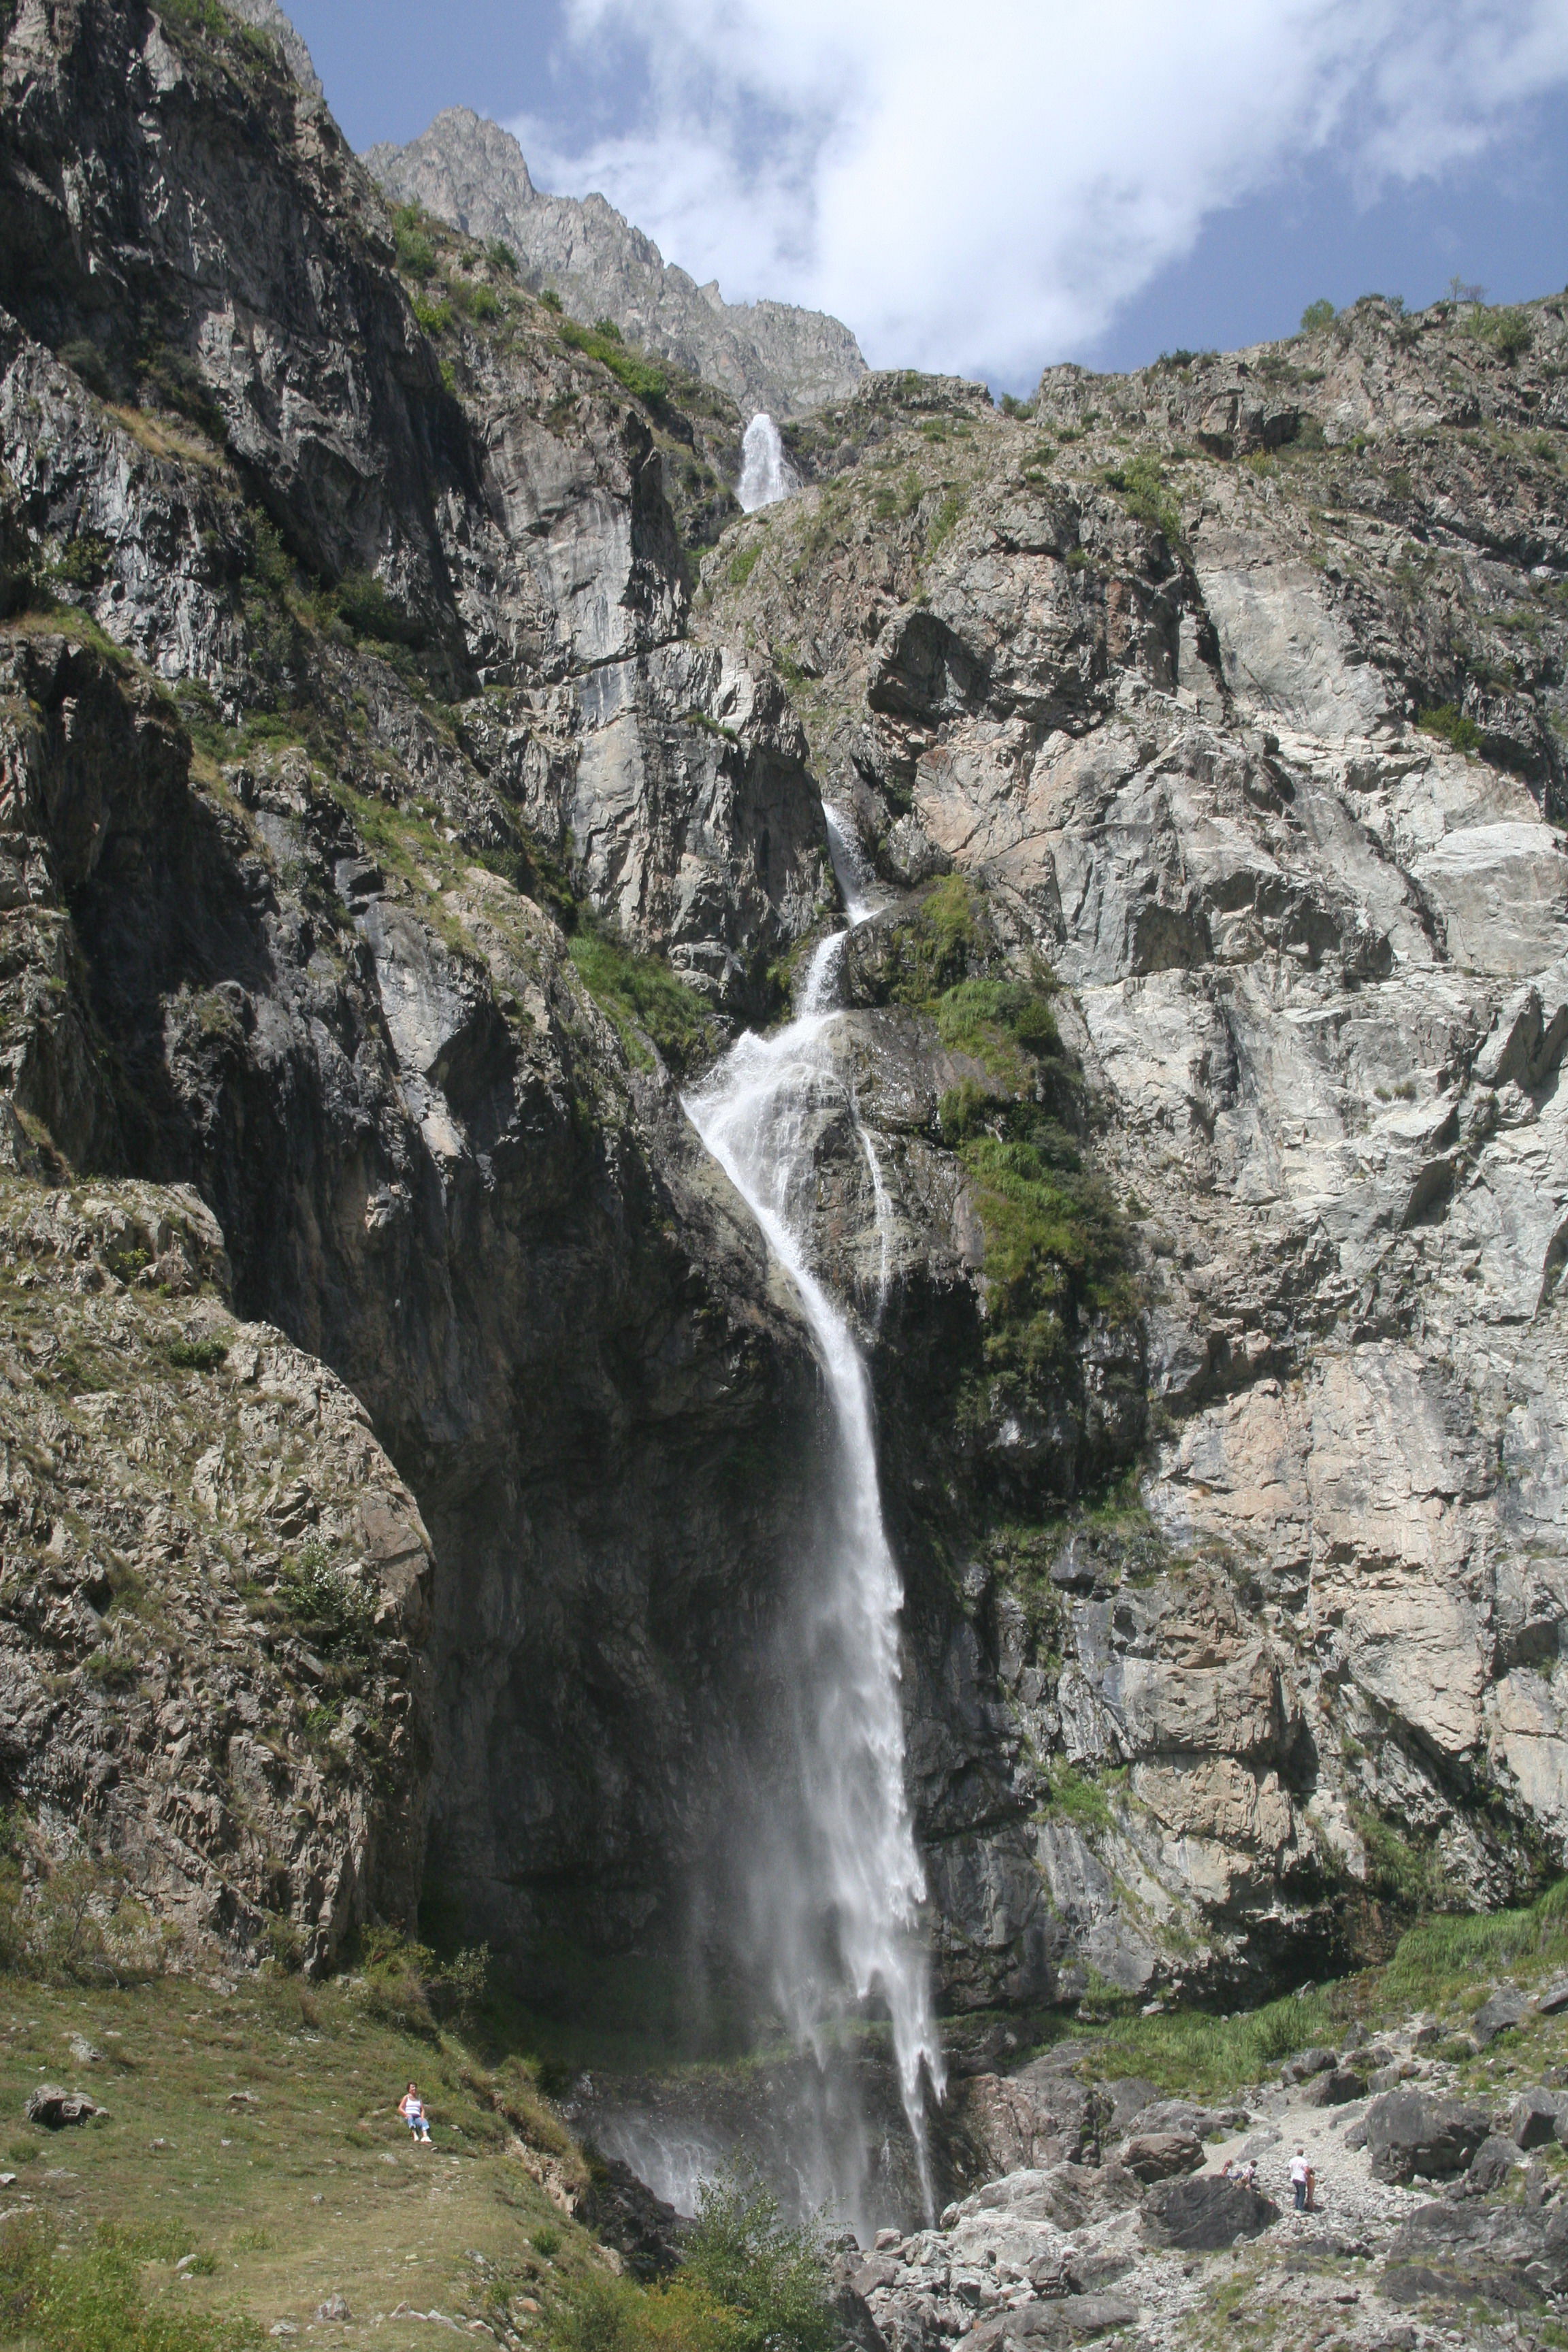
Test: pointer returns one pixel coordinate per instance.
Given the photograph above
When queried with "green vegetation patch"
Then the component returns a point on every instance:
(647, 1002)
(1509, 331)
(637, 375)
(1141, 488)
(94, 2300)
(1451, 727)
(370, 612)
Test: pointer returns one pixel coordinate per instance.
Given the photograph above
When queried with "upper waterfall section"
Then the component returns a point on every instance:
(763, 354)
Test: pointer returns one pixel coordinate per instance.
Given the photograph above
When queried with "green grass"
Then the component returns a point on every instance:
(649, 1003)
(636, 375)
(1195, 2052)
(180, 2165)
(1445, 1964)
(1446, 1955)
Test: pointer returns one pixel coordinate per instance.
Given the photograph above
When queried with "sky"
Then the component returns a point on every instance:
(984, 191)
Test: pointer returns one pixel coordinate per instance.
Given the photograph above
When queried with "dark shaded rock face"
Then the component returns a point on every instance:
(275, 970)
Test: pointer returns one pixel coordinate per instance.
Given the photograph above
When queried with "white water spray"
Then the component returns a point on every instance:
(838, 1895)
(766, 475)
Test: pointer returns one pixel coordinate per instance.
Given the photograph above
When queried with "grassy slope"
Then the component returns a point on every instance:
(313, 2191)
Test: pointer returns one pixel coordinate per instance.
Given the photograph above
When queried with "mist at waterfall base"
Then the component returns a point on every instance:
(766, 475)
(822, 1881)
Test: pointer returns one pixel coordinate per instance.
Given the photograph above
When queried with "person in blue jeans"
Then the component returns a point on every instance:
(410, 2108)
(1301, 2180)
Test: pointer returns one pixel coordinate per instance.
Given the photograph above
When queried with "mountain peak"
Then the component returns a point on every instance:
(771, 355)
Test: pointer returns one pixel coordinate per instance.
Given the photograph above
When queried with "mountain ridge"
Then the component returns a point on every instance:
(763, 354)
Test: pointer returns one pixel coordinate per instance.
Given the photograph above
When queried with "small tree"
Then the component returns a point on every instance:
(1317, 316)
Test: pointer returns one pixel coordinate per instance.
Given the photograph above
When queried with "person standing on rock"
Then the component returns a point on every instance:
(1301, 2179)
(410, 2108)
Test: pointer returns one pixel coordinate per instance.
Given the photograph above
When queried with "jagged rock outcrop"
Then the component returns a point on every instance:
(764, 355)
(216, 1598)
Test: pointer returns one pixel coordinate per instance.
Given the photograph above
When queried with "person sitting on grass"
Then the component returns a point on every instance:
(410, 2108)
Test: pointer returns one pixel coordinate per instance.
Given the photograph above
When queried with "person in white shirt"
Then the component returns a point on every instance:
(410, 2108)
(1301, 2180)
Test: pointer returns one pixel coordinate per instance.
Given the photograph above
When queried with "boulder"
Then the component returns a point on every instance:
(623, 2212)
(1184, 2115)
(53, 2107)
(1502, 2254)
(1128, 2097)
(1533, 2117)
(1490, 2166)
(1334, 2089)
(1160, 2155)
(1305, 2064)
(1555, 1997)
(1204, 2214)
(1066, 2319)
(1408, 2134)
(1505, 2010)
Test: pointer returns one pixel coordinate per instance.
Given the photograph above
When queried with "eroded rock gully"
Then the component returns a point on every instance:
(1194, 1173)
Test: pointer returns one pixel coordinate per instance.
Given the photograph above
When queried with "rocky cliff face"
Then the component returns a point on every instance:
(277, 929)
(1235, 692)
(763, 355)
(386, 831)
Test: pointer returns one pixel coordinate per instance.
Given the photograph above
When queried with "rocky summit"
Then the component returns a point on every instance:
(1128, 822)
(765, 355)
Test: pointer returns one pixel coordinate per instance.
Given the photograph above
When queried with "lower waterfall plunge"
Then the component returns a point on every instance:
(836, 1890)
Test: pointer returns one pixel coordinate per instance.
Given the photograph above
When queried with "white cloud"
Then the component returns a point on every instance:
(978, 189)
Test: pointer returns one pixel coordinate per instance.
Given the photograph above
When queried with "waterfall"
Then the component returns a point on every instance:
(836, 1883)
(766, 475)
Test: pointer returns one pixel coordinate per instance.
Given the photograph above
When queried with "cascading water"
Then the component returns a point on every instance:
(765, 476)
(836, 1883)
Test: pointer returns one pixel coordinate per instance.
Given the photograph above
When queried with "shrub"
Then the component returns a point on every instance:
(741, 565)
(1509, 331)
(615, 2315)
(1141, 484)
(550, 301)
(1451, 725)
(332, 1608)
(85, 360)
(608, 328)
(477, 303)
(431, 316)
(406, 1986)
(768, 2272)
(370, 612)
(1011, 407)
(1317, 316)
(172, 380)
(415, 253)
(197, 1355)
(499, 256)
